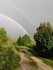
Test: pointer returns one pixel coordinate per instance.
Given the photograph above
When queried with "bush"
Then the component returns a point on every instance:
(19, 41)
(9, 58)
(3, 35)
(44, 39)
(26, 42)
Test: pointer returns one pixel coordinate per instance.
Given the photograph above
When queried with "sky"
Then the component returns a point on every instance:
(13, 28)
(28, 13)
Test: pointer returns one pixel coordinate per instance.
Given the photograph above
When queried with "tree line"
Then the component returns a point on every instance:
(9, 57)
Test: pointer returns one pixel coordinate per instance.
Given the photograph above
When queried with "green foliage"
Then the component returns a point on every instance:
(47, 61)
(9, 58)
(3, 33)
(31, 61)
(44, 38)
(19, 41)
(26, 41)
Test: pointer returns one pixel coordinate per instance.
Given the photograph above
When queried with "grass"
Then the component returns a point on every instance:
(47, 61)
(23, 47)
(11, 42)
(10, 56)
(31, 61)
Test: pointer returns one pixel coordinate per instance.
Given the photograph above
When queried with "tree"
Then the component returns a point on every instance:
(19, 41)
(3, 34)
(44, 38)
(26, 40)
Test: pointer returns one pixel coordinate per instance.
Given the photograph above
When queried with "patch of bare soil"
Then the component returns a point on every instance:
(41, 65)
(25, 66)
(24, 63)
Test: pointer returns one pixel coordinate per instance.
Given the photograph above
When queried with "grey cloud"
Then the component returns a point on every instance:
(28, 11)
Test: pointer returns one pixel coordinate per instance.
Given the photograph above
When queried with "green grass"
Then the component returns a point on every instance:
(47, 61)
(31, 61)
(23, 47)
(10, 58)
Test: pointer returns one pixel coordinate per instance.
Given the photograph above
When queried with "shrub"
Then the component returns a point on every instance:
(19, 41)
(44, 38)
(9, 58)
(3, 35)
(25, 40)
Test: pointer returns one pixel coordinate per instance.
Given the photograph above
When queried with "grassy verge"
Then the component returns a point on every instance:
(31, 61)
(47, 61)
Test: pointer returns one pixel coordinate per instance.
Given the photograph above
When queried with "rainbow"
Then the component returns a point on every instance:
(13, 21)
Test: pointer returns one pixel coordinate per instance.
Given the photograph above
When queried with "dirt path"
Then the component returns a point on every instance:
(25, 66)
(41, 65)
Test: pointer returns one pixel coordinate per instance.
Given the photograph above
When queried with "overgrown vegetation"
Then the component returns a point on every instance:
(3, 35)
(26, 41)
(31, 61)
(47, 61)
(44, 39)
(42, 46)
(9, 56)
